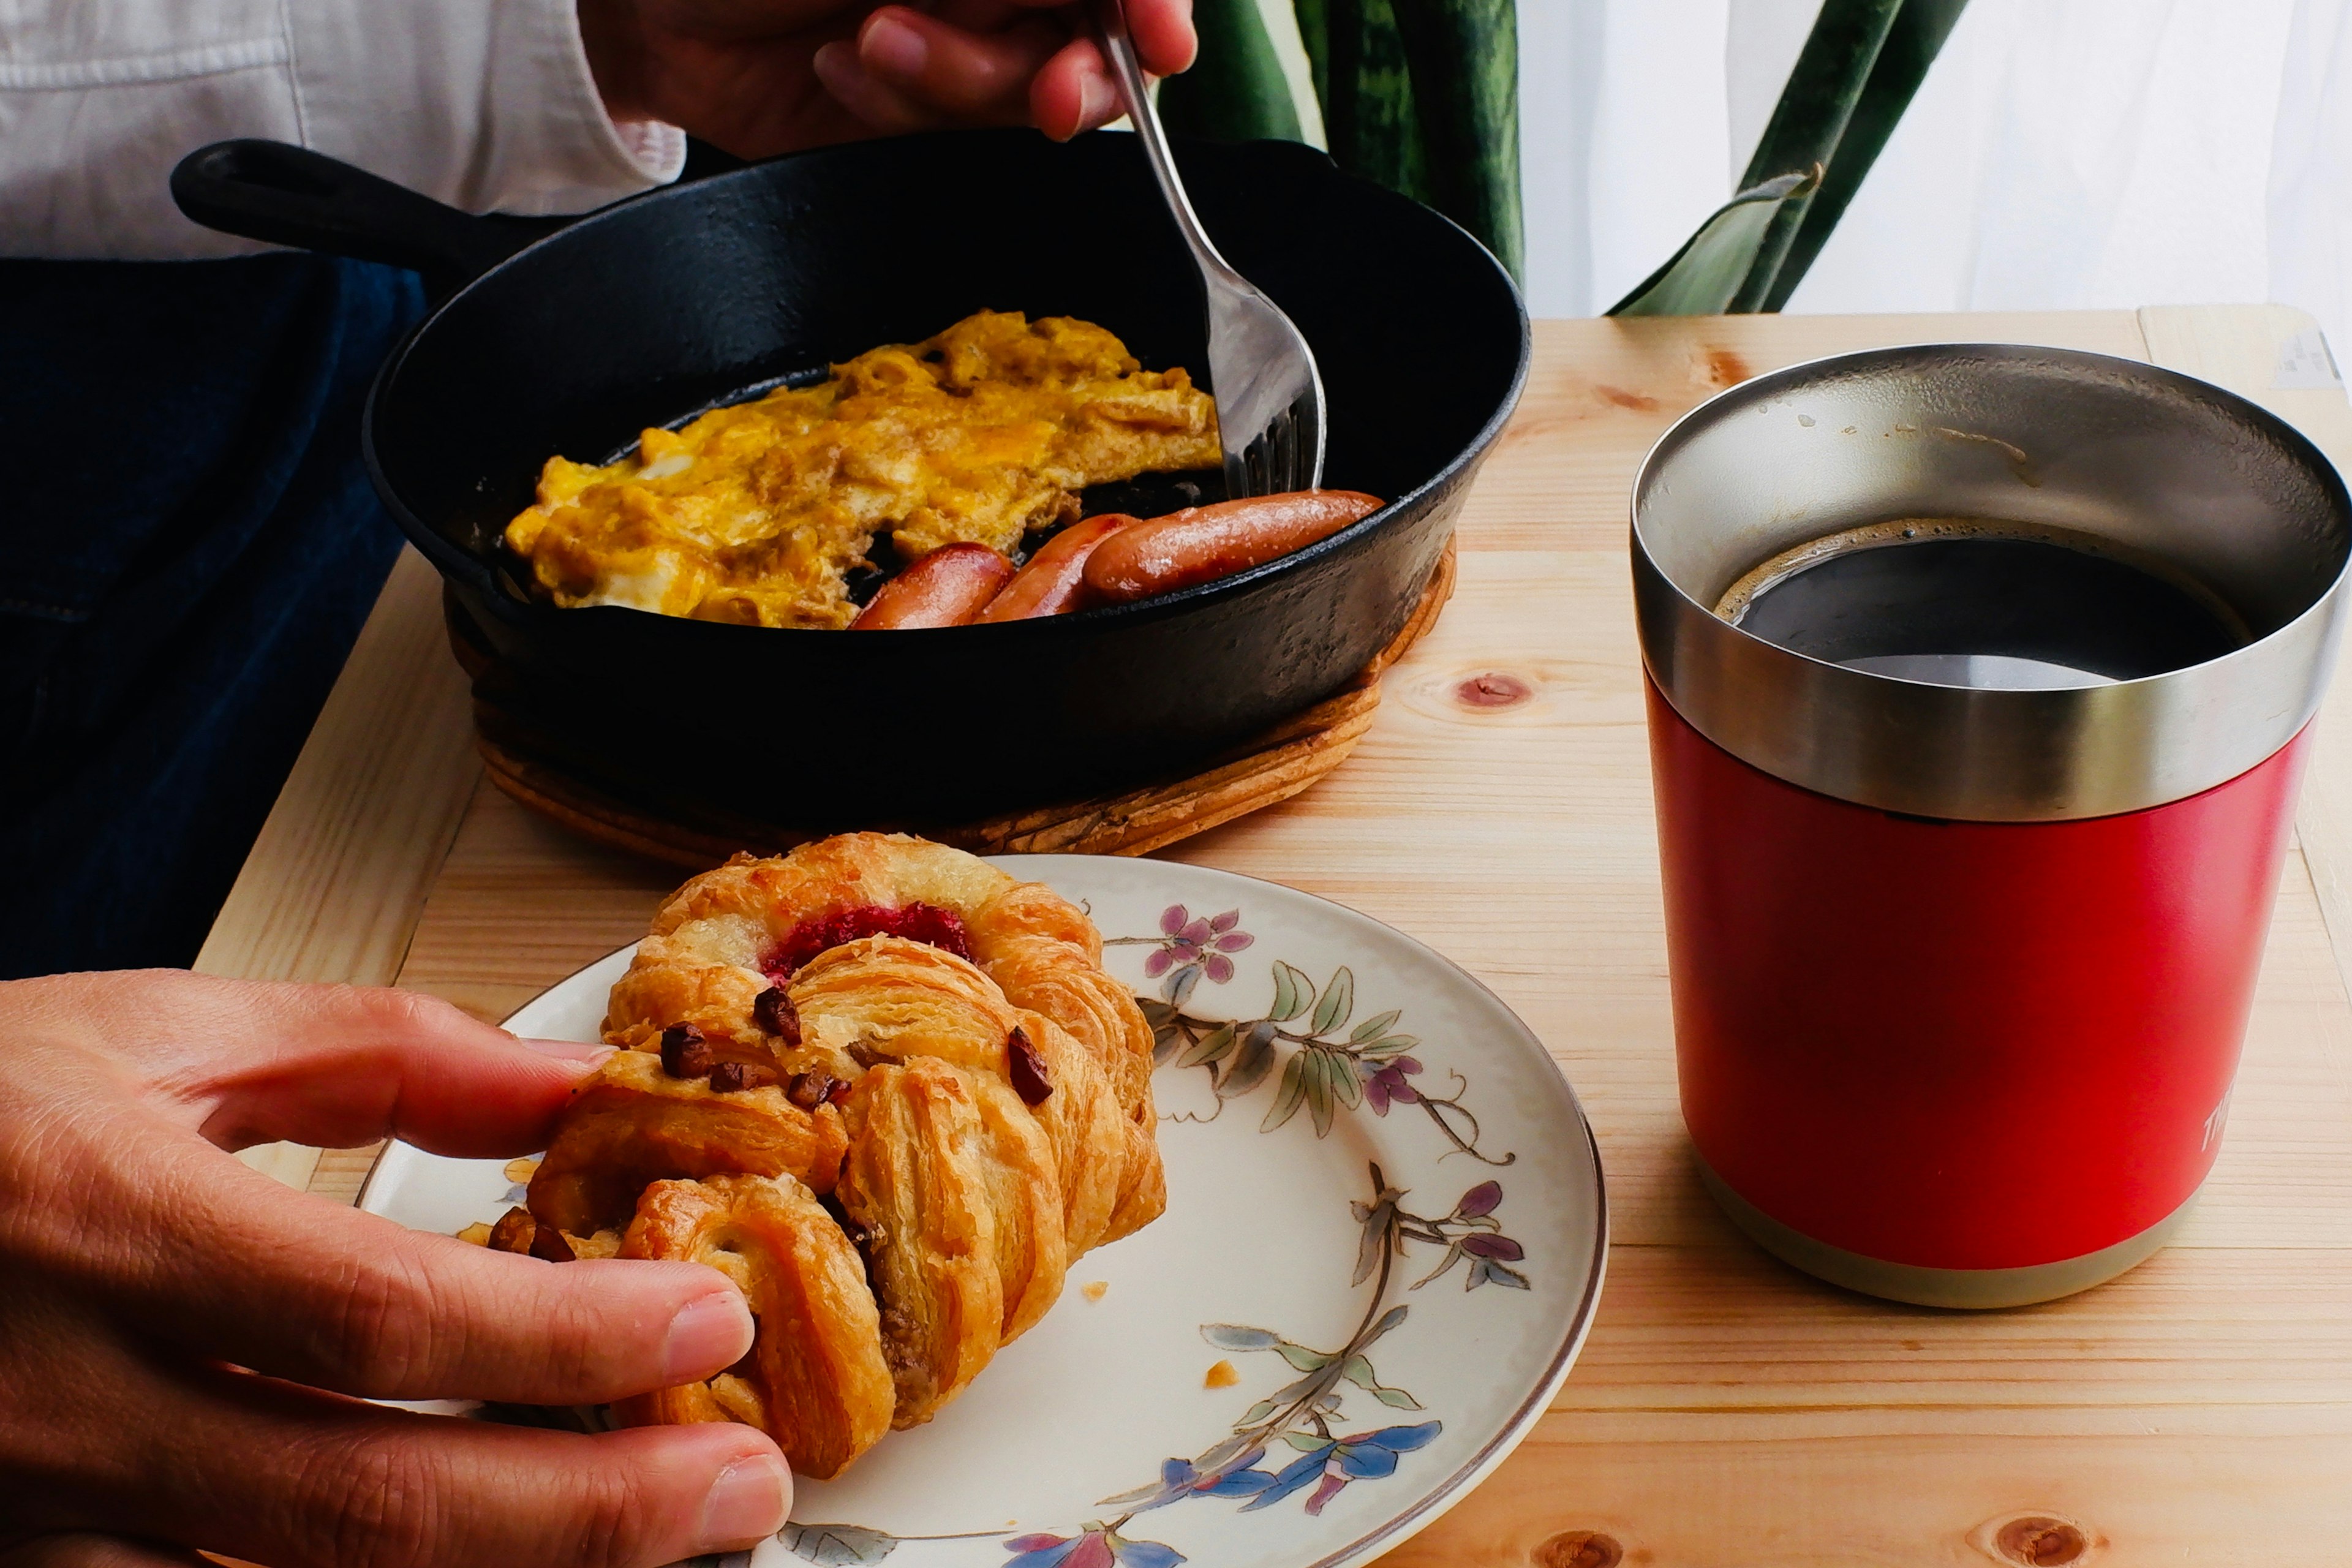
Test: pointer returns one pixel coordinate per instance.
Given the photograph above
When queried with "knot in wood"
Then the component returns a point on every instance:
(2037, 1541)
(1493, 689)
(1719, 367)
(1578, 1549)
(1618, 397)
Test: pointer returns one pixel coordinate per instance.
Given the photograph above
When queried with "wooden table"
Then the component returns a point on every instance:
(1726, 1410)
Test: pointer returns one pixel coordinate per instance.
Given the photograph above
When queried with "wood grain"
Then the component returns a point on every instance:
(1726, 1410)
(1600, 391)
(334, 883)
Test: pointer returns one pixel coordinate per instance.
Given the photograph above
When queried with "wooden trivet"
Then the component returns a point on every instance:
(1270, 767)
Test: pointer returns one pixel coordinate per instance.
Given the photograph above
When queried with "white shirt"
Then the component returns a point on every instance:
(485, 104)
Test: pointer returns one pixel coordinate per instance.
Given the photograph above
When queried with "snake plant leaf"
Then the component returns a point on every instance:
(1422, 96)
(1315, 33)
(1912, 45)
(1236, 90)
(1858, 69)
(1357, 55)
(1823, 88)
(1464, 59)
(1708, 273)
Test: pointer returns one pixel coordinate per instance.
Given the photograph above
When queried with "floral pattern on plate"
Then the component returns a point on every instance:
(1356, 1416)
(1326, 1071)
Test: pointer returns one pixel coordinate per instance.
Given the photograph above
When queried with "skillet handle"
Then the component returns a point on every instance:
(286, 195)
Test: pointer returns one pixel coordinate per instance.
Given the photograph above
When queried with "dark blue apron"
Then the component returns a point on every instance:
(188, 546)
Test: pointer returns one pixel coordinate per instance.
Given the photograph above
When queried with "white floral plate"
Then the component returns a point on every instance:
(1383, 1244)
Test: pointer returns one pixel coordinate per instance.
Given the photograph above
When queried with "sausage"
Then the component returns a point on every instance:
(1054, 582)
(945, 588)
(1203, 543)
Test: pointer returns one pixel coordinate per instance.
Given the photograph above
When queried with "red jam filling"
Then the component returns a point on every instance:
(926, 923)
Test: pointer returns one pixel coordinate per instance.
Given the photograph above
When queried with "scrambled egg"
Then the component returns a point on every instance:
(754, 513)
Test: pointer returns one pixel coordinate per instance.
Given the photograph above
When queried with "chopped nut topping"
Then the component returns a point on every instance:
(1026, 1069)
(547, 1242)
(683, 1052)
(772, 1011)
(810, 1089)
(513, 1232)
(727, 1078)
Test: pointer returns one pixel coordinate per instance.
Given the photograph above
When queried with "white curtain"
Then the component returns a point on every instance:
(2061, 154)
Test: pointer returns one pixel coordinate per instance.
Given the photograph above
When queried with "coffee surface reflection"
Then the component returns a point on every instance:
(1970, 602)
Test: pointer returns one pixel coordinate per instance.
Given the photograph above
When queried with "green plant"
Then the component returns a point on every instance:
(1419, 95)
(1422, 96)
(1861, 65)
(1236, 91)
(1714, 264)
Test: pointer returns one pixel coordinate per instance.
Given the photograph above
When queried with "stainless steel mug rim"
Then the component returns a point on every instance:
(1973, 753)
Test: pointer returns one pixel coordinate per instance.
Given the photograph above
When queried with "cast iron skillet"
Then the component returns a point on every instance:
(570, 337)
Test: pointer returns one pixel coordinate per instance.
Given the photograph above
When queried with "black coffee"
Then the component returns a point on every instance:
(1961, 604)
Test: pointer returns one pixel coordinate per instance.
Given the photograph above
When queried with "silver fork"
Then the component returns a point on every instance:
(1269, 393)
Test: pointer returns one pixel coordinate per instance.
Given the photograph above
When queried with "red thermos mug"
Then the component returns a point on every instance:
(1963, 933)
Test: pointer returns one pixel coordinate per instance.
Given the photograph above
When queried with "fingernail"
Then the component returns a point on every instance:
(835, 59)
(568, 1050)
(706, 1334)
(747, 1503)
(893, 48)
(1097, 101)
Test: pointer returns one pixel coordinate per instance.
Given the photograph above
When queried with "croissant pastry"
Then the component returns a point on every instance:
(1048, 956)
(815, 1379)
(632, 1124)
(886, 997)
(887, 1088)
(728, 935)
(916, 1189)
